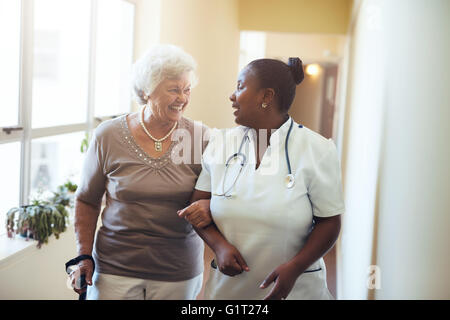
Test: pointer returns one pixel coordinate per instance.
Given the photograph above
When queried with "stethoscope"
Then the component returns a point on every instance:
(289, 179)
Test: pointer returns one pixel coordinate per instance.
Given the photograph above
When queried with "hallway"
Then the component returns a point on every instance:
(377, 83)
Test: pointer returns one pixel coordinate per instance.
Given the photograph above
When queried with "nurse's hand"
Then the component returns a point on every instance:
(284, 277)
(198, 213)
(229, 260)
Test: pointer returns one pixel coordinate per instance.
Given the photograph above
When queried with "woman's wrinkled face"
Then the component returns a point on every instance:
(247, 98)
(170, 98)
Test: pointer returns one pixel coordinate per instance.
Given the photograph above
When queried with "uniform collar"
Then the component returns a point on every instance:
(278, 136)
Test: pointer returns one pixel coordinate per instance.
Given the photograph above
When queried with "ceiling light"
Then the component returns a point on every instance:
(312, 69)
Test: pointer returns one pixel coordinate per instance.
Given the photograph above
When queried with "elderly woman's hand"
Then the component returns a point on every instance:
(197, 214)
(86, 268)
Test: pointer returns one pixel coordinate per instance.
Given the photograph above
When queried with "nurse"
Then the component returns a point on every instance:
(276, 195)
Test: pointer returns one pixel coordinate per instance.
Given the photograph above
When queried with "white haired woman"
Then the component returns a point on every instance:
(143, 250)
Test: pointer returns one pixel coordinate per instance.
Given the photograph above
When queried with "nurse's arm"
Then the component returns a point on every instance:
(228, 259)
(320, 241)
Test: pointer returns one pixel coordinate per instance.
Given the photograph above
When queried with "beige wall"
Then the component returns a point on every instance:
(305, 16)
(147, 25)
(307, 106)
(308, 47)
(209, 31)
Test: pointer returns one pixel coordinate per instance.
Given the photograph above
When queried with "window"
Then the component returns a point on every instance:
(65, 67)
(9, 62)
(113, 67)
(54, 160)
(10, 179)
(60, 62)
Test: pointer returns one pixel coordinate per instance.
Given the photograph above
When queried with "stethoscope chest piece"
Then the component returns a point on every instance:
(290, 181)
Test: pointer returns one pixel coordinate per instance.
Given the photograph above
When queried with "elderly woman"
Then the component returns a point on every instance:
(143, 250)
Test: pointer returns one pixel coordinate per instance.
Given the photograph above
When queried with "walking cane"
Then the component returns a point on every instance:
(82, 279)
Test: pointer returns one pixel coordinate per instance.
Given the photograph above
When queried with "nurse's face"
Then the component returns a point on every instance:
(247, 99)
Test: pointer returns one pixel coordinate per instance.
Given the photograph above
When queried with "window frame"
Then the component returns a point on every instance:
(23, 131)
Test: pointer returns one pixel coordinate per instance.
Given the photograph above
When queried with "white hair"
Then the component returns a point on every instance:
(163, 61)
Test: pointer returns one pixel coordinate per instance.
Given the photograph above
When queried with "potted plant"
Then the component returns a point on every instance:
(84, 143)
(71, 187)
(42, 218)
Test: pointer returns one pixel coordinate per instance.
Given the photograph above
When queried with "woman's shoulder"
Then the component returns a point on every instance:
(197, 129)
(317, 144)
(190, 124)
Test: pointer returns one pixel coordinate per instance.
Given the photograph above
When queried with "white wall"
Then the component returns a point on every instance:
(362, 138)
(414, 216)
(396, 151)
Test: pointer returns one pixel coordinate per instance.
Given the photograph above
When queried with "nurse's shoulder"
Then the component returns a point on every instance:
(313, 143)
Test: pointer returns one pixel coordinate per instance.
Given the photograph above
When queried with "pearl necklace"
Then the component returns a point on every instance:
(158, 142)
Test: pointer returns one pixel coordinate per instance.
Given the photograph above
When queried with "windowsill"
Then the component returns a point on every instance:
(14, 248)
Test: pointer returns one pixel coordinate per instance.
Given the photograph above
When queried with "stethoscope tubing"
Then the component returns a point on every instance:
(244, 159)
(286, 149)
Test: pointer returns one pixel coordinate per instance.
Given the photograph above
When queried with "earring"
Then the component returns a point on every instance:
(264, 105)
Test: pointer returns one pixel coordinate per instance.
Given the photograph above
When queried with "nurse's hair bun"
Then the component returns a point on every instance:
(296, 68)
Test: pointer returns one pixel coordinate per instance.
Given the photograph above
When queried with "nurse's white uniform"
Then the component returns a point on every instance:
(267, 222)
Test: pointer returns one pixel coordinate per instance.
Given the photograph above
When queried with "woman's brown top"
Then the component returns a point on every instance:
(141, 234)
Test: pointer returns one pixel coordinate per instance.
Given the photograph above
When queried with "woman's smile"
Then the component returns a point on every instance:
(176, 108)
